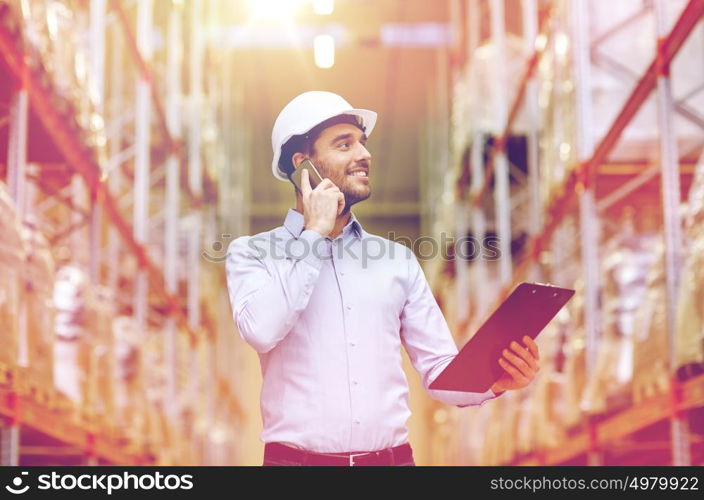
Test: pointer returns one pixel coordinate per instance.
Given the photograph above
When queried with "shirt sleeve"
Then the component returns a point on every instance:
(268, 289)
(428, 340)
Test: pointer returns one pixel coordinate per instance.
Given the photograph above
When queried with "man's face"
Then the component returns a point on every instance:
(341, 156)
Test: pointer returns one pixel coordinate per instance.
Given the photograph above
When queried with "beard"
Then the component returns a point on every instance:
(353, 190)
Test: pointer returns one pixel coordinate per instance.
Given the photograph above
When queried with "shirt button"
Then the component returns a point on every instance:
(349, 308)
(342, 273)
(356, 421)
(353, 344)
(354, 382)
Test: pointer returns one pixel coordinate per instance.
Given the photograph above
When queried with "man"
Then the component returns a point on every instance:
(328, 306)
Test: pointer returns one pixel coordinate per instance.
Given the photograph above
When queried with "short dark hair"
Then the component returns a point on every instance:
(304, 143)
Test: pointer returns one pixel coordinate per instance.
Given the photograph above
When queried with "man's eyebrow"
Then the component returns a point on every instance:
(347, 135)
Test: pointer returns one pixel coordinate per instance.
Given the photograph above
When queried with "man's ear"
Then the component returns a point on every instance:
(297, 159)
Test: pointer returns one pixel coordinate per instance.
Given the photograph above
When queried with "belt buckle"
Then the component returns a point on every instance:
(353, 455)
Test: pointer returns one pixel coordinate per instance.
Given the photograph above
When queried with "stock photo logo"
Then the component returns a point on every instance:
(467, 248)
(110, 483)
(217, 252)
(16, 488)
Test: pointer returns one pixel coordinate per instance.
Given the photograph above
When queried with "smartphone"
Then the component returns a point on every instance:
(313, 176)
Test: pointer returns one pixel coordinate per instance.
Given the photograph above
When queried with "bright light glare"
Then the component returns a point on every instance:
(323, 7)
(273, 10)
(324, 51)
(562, 44)
(565, 151)
(541, 42)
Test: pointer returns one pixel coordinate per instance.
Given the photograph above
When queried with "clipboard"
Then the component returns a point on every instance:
(526, 311)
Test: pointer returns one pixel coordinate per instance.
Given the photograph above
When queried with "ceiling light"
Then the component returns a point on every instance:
(273, 10)
(324, 51)
(323, 7)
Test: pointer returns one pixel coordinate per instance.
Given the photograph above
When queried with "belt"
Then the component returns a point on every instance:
(389, 456)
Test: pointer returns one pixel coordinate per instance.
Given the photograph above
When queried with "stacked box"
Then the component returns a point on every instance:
(627, 262)
(650, 342)
(126, 381)
(546, 417)
(575, 355)
(154, 383)
(98, 404)
(37, 375)
(72, 301)
(12, 258)
(689, 348)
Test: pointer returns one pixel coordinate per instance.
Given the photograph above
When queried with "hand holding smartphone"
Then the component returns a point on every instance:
(322, 199)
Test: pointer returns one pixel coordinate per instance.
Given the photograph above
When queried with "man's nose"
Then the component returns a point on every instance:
(363, 153)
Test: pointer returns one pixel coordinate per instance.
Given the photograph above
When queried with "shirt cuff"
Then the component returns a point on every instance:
(474, 401)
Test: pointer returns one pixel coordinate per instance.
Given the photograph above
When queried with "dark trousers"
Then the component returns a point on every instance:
(276, 454)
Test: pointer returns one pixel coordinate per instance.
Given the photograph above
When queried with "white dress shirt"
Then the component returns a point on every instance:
(328, 318)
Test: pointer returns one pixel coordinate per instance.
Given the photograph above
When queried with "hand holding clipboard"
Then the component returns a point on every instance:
(525, 313)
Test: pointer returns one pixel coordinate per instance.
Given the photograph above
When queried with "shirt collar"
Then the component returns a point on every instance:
(294, 223)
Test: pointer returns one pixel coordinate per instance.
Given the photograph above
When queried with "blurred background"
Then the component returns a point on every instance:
(135, 145)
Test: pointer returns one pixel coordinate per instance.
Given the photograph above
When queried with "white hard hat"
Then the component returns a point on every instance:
(305, 112)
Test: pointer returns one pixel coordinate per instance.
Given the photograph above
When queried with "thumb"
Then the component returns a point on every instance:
(340, 203)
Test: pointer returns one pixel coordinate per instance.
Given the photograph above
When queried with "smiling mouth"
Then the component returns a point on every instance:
(360, 173)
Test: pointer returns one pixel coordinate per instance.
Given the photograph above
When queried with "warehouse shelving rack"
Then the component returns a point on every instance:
(578, 193)
(86, 445)
(682, 397)
(103, 199)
